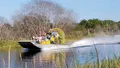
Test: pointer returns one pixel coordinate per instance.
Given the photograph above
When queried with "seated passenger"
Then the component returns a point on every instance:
(55, 34)
(43, 35)
(52, 39)
(48, 35)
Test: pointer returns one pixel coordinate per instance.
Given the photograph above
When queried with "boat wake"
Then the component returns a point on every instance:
(97, 41)
(101, 40)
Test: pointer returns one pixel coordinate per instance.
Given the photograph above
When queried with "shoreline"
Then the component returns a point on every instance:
(6, 44)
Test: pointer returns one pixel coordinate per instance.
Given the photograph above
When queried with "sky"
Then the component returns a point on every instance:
(83, 9)
(9, 8)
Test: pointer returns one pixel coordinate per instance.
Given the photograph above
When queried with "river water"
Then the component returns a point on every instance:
(23, 58)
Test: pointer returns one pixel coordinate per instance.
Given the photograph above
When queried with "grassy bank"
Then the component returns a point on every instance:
(5, 44)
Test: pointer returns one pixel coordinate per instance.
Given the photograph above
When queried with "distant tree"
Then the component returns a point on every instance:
(5, 29)
(94, 26)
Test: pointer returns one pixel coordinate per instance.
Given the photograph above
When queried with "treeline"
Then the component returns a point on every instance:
(40, 15)
(96, 26)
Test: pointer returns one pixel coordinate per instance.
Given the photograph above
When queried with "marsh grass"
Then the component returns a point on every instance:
(6, 44)
(104, 63)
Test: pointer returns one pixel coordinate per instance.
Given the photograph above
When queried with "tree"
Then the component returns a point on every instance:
(5, 29)
(39, 15)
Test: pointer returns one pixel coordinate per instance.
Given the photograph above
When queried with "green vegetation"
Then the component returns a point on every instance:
(107, 63)
(5, 44)
(60, 62)
(94, 27)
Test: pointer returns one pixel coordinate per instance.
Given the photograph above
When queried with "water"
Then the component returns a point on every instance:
(20, 58)
(64, 58)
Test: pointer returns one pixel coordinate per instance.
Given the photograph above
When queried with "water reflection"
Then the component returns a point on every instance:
(37, 59)
(28, 54)
(58, 59)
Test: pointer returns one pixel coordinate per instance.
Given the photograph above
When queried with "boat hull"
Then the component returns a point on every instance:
(33, 45)
(28, 45)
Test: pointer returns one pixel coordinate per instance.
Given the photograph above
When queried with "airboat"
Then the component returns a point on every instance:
(32, 44)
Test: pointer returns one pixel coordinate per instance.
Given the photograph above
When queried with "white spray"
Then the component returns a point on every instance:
(88, 42)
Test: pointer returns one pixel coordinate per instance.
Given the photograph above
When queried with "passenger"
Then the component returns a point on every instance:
(55, 34)
(35, 39)
(48, 36)
(52, 39)
(40, 39)
(43, 35)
